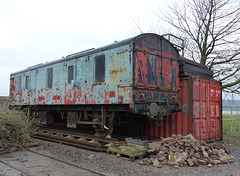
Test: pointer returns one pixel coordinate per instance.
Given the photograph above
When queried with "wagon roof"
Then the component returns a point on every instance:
(88, 52)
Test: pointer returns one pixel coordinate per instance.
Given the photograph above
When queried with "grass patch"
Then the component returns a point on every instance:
(234, 116)
(231, 136)
(227, 126)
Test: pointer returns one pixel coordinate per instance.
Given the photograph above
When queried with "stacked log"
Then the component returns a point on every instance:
(180, 151)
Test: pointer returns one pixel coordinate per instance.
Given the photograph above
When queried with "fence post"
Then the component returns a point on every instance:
(231, 121)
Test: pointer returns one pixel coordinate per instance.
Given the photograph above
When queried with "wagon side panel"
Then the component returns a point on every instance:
(105, 77)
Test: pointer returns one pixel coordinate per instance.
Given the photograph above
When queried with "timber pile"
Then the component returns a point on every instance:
(180, 151)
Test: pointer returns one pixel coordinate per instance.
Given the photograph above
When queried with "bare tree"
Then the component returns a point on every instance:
(212, 32)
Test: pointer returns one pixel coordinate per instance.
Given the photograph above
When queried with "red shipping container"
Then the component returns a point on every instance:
(204, 120)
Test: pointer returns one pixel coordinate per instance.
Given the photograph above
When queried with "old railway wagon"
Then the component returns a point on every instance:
(103, 87)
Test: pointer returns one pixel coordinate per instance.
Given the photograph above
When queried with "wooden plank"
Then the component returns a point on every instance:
(231, 106)
(88, 123)
(231, 119)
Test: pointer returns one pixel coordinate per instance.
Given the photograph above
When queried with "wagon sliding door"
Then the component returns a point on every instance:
(70, 83)
(26, 88)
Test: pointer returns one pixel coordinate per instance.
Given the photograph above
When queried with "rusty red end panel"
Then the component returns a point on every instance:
(156, 72)
(156, 64)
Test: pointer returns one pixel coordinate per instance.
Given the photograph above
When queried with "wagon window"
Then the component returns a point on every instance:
(19, 83)
(100, 68)
(27, 82)
(152, 70)
(49, 77)
(70, 74)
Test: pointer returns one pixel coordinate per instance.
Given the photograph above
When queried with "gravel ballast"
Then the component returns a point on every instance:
(112, 165)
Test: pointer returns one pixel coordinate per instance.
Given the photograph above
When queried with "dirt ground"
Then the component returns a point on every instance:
(26, 163)
(54, 159)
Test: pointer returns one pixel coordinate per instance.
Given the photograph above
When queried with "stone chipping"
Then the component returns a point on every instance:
(179, 151)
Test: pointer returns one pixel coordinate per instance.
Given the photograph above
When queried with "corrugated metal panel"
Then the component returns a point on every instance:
(207, 110)
(175, 124)
(204, 119)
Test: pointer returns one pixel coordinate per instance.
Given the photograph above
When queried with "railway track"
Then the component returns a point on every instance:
(67, 163)
(74, 138)
(16, 166)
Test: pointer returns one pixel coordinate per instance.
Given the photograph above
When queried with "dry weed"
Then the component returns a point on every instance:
(15, 128)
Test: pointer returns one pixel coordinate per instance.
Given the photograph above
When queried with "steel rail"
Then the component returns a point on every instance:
(70, 164)
(15, 168)
(73, 138)
(76, 134)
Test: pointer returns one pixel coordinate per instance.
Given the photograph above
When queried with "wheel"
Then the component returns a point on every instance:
(131, 128)
(108, 127)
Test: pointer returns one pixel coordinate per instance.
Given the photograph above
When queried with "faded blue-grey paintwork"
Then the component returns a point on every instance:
(117, 87)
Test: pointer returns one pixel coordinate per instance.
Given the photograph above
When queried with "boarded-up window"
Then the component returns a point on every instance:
(49, 77)
(100, 68)
(152, 70)
(19, 83)
(27, 82)
(70, 74)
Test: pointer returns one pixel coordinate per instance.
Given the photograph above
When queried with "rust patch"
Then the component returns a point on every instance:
(79, 95)
(122, 52)
(111, 94)
(112, 56)
(120, 70)
(115, 75)
(56, 97)
(70, 96)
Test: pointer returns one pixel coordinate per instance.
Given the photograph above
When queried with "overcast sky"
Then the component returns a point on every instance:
(33, 32)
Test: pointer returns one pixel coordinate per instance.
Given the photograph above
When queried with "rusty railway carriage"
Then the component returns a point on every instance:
(121, 84)
(133, 77)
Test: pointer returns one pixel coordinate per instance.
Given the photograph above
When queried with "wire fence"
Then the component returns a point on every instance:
(231, 119)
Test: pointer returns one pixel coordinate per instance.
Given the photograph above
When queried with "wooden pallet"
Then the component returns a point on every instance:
(128, 156)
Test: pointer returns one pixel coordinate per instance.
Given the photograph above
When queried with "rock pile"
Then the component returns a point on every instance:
(179, 151)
